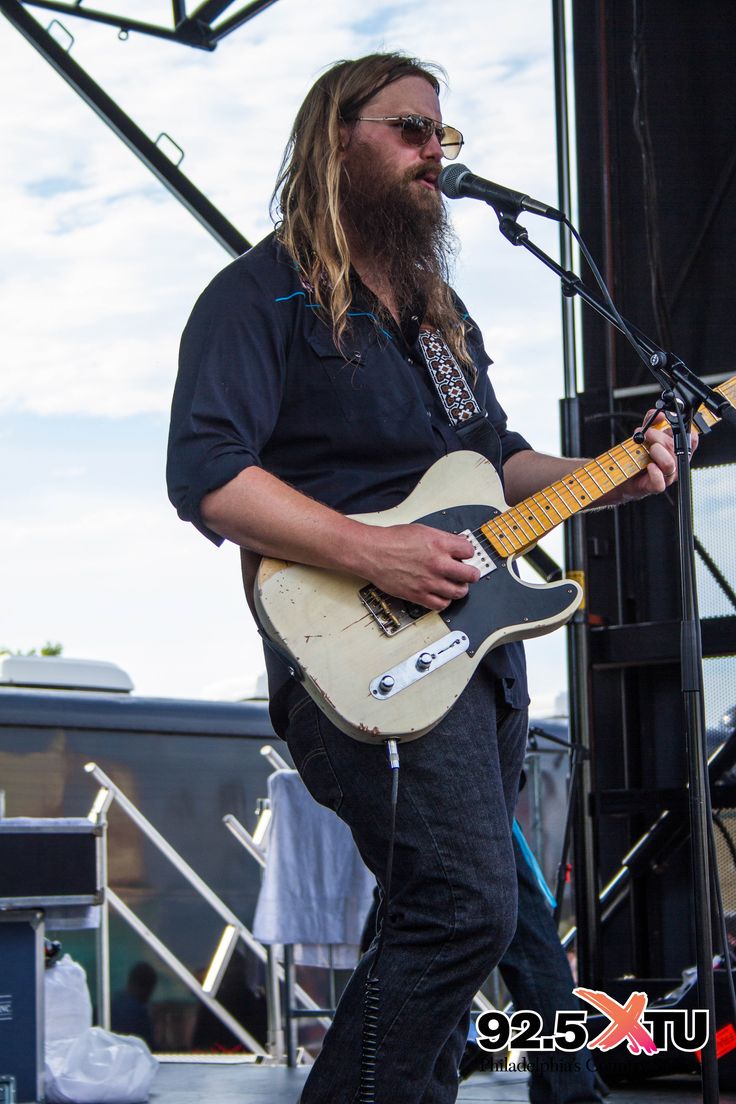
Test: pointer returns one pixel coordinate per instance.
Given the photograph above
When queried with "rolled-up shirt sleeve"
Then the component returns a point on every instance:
(227, 396)
(511, 441)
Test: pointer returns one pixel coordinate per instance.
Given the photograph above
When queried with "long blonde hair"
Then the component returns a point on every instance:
(307, 193)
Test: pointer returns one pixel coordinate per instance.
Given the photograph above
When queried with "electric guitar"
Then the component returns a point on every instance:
(381, 668)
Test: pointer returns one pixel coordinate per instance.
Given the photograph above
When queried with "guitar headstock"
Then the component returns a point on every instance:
(704, 419)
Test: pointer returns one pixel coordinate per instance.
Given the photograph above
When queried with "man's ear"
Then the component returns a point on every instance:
(346, 135)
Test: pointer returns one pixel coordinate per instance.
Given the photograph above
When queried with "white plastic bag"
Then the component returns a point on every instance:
(68, 1006)
(99, 1068)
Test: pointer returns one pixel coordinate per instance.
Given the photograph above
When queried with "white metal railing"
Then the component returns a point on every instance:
(252, 844)
(233, 932)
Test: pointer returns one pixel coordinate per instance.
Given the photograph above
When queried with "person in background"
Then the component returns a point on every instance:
(129, 1009)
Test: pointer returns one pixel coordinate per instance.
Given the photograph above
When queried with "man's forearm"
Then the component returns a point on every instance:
(260, 512)
(527, 472)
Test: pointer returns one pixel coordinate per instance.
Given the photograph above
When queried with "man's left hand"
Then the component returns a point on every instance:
(527, 472)
(661, 471)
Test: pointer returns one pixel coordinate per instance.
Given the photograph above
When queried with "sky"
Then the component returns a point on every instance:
(101, 267)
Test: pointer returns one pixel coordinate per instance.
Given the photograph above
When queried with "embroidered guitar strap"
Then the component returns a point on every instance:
(447, 376)
(463, 412)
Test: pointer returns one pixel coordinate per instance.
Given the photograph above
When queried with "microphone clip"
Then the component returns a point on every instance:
(511, 229)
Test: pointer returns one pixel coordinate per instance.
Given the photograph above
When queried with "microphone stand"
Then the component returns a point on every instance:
(682, 392)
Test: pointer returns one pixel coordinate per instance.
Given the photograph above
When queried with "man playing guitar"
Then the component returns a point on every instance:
(303, 398)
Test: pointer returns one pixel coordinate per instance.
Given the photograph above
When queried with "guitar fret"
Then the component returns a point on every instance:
(543, 517)
(640, 450)
(497, 537)
(606, 471)
(560, 499)
(515, 531)
(569, 482)
(585, 489)
(522, 525)
(590, 473)
(516, 514)
(561, 490)
(614, 478)
(506, 533)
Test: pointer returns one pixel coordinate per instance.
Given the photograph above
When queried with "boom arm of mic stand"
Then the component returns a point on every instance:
(572, 284)
(666, 832)
(668, 370)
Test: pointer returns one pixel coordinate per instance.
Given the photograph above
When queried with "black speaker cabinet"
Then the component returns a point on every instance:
(46, 862)
(21, 1002)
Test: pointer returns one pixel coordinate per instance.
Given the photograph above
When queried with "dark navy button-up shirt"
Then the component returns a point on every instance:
(261, 382)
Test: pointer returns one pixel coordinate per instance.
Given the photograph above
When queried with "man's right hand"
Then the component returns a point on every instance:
(418, 563)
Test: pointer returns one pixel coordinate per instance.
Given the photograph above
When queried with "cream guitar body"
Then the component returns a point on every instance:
(379, 668)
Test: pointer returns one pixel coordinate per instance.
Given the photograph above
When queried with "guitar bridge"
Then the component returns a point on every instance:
(392, 614)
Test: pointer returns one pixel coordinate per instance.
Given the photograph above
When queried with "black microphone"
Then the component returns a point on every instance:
(457, 181)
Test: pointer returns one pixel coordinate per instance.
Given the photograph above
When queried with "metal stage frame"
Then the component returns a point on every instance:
(196, 30)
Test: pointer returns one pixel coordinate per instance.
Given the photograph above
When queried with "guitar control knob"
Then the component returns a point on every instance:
(424, 661)
(386, 684)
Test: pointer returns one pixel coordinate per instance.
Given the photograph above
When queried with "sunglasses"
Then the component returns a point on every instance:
(417, 130)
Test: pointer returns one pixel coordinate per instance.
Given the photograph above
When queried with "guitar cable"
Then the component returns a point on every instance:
(372, 994)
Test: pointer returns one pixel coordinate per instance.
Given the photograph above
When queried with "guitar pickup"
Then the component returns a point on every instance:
(480, 558)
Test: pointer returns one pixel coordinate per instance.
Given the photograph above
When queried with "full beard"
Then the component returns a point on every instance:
(400, 229)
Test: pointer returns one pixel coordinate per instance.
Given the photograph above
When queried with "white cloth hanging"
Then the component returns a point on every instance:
(316, 891)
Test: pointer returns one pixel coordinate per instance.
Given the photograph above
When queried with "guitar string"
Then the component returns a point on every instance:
(726, 389)
(481, 537)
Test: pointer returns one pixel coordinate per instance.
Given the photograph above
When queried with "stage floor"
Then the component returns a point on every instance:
(179, 1081)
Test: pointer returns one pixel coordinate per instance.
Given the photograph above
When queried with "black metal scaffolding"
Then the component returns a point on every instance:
(656, 125)
(207, 25)
(145, 148)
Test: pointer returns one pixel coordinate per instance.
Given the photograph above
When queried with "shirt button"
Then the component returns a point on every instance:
(409, 360)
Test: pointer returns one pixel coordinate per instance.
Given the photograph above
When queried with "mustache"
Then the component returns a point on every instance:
(366, 186)
(425, 172)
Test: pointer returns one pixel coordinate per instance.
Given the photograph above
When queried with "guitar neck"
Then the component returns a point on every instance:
(517, 529)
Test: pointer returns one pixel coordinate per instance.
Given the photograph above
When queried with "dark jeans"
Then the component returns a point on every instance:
(452, 907)
(537, 975)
